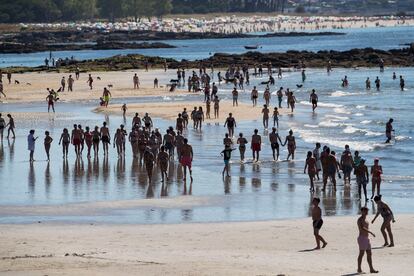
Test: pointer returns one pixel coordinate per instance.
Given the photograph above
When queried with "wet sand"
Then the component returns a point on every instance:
(170, 110)
(252, 248)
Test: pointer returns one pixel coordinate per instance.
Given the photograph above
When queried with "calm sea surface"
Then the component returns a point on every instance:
(380, 38)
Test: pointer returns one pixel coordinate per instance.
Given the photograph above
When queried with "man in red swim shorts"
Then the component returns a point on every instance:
(256, 145)
(76, 138)
(187, 158)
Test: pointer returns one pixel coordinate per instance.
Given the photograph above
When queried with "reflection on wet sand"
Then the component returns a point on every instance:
(48, 179)
(31, 180)
(11, 149)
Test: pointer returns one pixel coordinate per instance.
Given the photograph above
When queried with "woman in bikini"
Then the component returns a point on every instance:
(364, 243)
(386, 213)
(376, 172)
(291, 145)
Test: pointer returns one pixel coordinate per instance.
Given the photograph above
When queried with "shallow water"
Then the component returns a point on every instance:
(379, 38)
(268, 190)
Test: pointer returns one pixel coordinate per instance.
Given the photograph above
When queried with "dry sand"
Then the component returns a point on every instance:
(32, 87)
(250, 248)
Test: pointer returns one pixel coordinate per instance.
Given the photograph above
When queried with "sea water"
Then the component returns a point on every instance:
(266, 190)
(193, 49)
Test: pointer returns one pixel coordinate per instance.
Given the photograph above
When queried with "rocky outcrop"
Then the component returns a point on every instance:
(20, 48)
(367, 57)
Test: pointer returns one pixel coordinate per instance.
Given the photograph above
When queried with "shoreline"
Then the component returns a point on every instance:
(232, 248)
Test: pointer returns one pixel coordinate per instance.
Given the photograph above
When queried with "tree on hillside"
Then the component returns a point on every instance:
(110, 9)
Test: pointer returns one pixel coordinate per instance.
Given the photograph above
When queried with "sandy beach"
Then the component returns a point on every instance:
(32, 87)
(251, 248)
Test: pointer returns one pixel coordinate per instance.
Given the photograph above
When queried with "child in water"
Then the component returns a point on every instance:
(226, 153)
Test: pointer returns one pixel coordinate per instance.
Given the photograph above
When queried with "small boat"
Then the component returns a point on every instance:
(251, 47)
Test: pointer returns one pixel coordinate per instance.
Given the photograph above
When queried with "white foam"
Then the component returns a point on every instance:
(310, 136)
(337, 118)
(366, 122)
(332, 105)
(361, 106)
(351, 129)
(341, 110)
(311, 126)
(359, 114)
(328, 123)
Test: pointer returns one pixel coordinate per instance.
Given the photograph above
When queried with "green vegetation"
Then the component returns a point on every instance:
(16, 11)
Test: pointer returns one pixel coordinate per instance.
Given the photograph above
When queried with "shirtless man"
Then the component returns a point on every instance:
(147, 122)
(378, 83)
(367, 84)
(63, 84)
(317, 223)
(106, 95)
(70, 83)
(11, 126)
(179, 142)
(402, 83)
(266, 96)
(362, 178)
(216, 107)
(187, 158)
(235, 94)
(280, 96)
(169, 142)
(314, 100)
(149, 162)
(184, 115)
(135, 79)
(265, 112)
(76, 139)
(2, 126)
(163, 160)
(256, 145)
(331, 168)
(227, 141)
(50, 102)
(388, 130)
(292, 101)
(136, 121)
(310, 164)
(105, 137)
(254, 95)
(2, 89)
(194, 117)
(231, 124)
(179, 126)
(274, 138)
(364, 243)
(347, 163)
(90, 81)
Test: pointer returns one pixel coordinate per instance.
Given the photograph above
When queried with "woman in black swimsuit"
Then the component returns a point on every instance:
(385, 211)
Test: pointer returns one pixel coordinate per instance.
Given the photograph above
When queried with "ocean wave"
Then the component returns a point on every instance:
(361, 106)
(310, 136)
(340, 93)
(402, 138)
(341, 110)
(311, 126)
(332, 105)
(337, 118)
(359, 114)
(366, 122)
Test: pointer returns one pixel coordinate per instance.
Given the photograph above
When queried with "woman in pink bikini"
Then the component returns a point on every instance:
(363, 240)
(376, 172)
